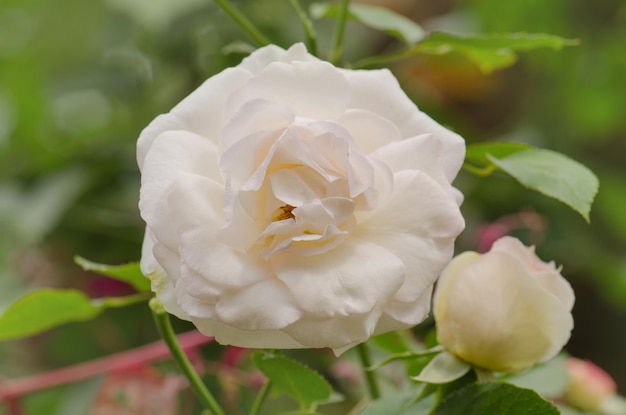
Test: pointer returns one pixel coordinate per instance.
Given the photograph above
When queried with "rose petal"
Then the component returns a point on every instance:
(197, 203)
(368, 129)
(354, 277)
(378, 91)
(258, 339)
(308, 89)
(267, 305)
(261, 58)
(172, 153)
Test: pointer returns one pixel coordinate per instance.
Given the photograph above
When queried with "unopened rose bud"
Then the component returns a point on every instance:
(589, 386)
(505, 310)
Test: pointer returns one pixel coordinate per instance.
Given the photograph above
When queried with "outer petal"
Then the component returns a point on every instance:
(353, 278)
(161, 284)
(263, 306)
(261, 58)
(258, 339)
(172, 153)
(422, 152)
(418, 224)
(309, 89)
(378, 91)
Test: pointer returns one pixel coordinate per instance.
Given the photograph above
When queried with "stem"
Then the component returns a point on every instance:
(242, 21)
(260, 398)
(370, 376)
(311, 37)
(162, 320)
(337, 46)
(484, 376)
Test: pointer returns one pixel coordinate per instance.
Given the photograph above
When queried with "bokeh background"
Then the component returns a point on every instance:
(80, 79)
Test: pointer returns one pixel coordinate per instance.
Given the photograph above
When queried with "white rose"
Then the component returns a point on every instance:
(292, 204)
(505, 310)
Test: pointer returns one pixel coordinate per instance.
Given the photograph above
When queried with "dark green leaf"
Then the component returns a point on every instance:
(554, 175)
(293, 378)
(377, 18)
(477, 154)
(490, 52)
(129, 273)
(495, 398)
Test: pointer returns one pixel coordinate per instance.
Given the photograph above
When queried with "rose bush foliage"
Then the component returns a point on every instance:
(505, 310)
(292, 204)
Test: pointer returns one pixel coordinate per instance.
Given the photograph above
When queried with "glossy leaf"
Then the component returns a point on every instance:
(129, 273)
(553, 175)
(495, 398)
(490, 52)
(293, 378)
(378, 18)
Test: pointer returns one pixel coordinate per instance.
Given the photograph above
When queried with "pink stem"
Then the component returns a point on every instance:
(11, 390)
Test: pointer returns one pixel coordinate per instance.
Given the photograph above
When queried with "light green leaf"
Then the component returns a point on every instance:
(408, 355)
(293, 378)
(44, 309)
(476, 156)
(490, 52)
(549, 379)
(129, 273)
(553, 175)
(378, 18)
(444, 368)
(495, 398)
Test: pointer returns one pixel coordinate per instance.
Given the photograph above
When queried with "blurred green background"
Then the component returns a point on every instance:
(80, 79)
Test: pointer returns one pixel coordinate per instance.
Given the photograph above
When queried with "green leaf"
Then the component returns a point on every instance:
(401, 404)
(490, 52)
(549, 379)
(444, 368)
(408, 355)
(477, 155)
(553, 175)
(44, 309)
(293, 378)
(129, 273)
(378, 18)
(392, 341)
(495, 398)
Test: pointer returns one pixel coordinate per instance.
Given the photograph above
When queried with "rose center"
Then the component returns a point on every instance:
(284, 212)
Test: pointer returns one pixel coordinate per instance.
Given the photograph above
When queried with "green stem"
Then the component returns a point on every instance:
(370, 376)
(242, 21)
(311, 37)
(337, 45)
(260, 398)
(162, 320)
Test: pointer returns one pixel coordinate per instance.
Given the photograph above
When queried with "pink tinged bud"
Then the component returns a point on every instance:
(589, 385)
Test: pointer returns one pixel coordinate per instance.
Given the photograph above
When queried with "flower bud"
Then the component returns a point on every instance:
(589, 385)
(504, 310)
